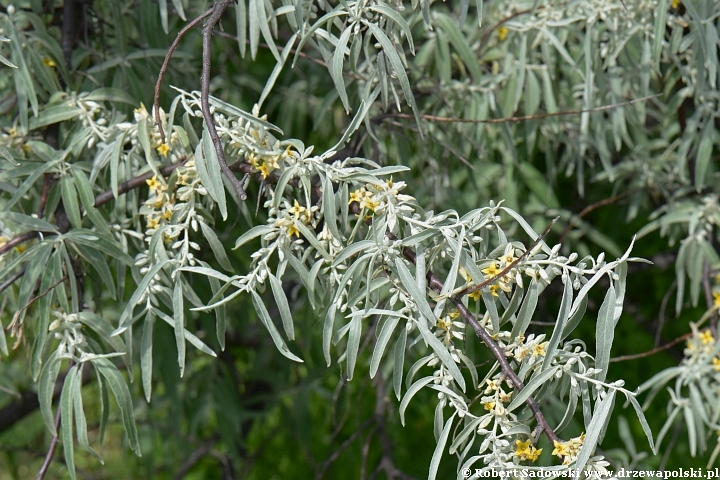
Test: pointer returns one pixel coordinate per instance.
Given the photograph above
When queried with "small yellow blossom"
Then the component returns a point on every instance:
(49, 62)
(526, 451)
(152, 222)
(675, 3)
(155, 185)
(561, 449)
(489, 406)
(503, 31)
(539, 350)
(293, 230)
(716, 364)
(706, 337)
(454, 314)
(492, 270)
(494, 290)
(716, 299)
(297, 210)
(476, 294)
(163, 149)
(444, 324)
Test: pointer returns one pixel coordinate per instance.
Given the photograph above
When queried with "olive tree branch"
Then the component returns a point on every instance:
(166, 62)
(207, 32)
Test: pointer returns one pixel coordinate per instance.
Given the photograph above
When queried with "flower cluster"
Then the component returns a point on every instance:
(569, 450)
(525, 450)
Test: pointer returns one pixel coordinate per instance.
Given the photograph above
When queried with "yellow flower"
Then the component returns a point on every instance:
(476, 294)
(675, 3)
(292, 230)
(356, 196)
(297, 210)
(454, 314)
(443, 324)
(539, 350)
(561, 449)
(49, 62)
(163, 149)
(369, 203)
(706, 337)
(491, 271)
(489, 406)
(494, 290)
(716, 364)
(155, 185)
(526, 451)
(503, 31)
(716, 299)
(152, 222)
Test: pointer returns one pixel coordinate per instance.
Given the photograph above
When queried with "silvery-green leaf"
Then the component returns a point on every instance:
(257, 231)
(353, 344)
(283, 306)
(604, 333)
(595, 429)
(214, 184)
(440, 447)
(241, 25)
(46, 388)
(410, 285)
(336, 66)
(399, 362)
(179, 322)
(141, 288)
(66, 424)
(383, 338)
(146, 355)
(216, 247)
(414, 388)
(270, 326)
(124, 400)
(562, 318)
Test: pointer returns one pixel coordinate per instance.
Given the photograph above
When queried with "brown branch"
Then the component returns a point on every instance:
(207, 31)
(341, 448)
(635, 356)
(14, 242)
(51, 450)
(136, 182)
(590, 208)
(436, 284)
(523, 118)
(163, 69)
(512, 265)
(12, 279)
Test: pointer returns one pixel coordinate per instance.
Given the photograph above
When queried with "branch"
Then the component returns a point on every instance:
(653, 351)
(590, 208)
(522, 118)
(436, 284)
(51, 450)
(207, 31)
(163, 69)
(512, 265)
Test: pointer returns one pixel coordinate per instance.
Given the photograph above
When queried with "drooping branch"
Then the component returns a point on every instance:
(207, 32)
(163, 69)
(436, 284)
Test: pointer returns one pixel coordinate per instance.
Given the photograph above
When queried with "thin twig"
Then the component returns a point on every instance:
(166, 62)
(51, 450)
(207, 31)
(635, 356)
(661, 315)
(434, 118)
(12, 279)
(512, 265)
(336, 454)
(38, 297)
(14, 242)
(436, 284)
(136, 182)
(590, 208)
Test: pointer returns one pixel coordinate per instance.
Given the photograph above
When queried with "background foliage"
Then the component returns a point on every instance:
(601, 113)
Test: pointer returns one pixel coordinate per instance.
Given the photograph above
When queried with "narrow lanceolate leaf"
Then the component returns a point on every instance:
(120, 390)
(353, 345)
(283, 306)
(270, 326)
(442, 352)
(146, 359)
(643, 421)
(526, 310)
(336, 66)
(440, 448)
(216, 246)
(216, 188)
(395, 61)
(126, 315)
(46, 387)
(179, 322)
(411, 286)
(241, 25)
(399, 362)
(703, 157)
(414, 388)
(594, 430)
(562, 318)
(70, 201)
(66, 424)
(604, 333)
(385, 333)
(80, 420)
(328, 331)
